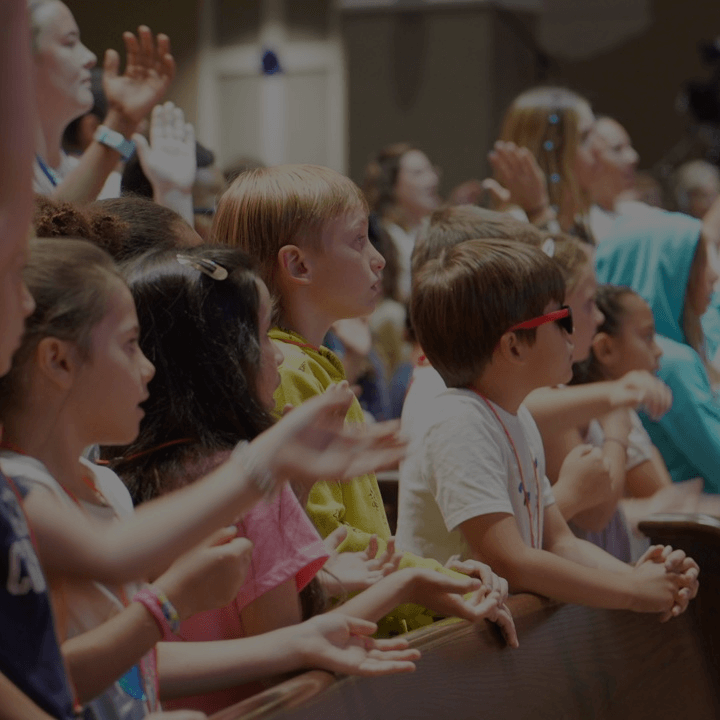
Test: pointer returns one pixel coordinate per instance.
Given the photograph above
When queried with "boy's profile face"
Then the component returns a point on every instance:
(347, 270)
(550, 357)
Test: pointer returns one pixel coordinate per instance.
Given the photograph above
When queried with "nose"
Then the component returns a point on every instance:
(634, 157)
(377, 261)
(148, 369)
(91, 59)
(657, 350)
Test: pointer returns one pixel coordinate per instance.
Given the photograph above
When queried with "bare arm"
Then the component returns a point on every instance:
(15, 704)
(309, 443)
(331, 642)
(645, 479)
(495, 539)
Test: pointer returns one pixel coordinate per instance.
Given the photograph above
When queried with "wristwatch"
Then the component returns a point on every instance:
(115, 140)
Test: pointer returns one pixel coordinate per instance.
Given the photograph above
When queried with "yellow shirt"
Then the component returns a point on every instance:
(308, 371)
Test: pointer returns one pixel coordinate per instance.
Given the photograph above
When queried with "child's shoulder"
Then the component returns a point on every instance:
(30, 471)
(304, 357)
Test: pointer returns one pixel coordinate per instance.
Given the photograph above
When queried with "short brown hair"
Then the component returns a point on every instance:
(466, 299)
(451, 225)
(267, 208)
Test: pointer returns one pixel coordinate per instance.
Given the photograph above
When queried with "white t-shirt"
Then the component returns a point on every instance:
(88, 604)
(461, 465)
(425, 385)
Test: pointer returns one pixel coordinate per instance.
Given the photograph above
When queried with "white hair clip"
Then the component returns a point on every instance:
(548, 247)
(204, 265)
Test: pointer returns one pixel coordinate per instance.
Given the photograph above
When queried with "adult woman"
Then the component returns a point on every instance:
(401, 186)
(63, 93)
(546, 157)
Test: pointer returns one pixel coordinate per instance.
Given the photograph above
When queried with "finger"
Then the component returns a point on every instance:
(407, 654)
(141, 146)
(189, 137)
(674, 560)
(396, 643)
(178, 123)
(163, 46)
(372, 667)
(146, 56)
(336, 538)
(372, 548)
(221, 536)
(505, 622)
(358, 626)
(132, 51)
(111, 65)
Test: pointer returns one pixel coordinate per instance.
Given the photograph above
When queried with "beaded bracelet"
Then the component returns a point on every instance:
(159, 606)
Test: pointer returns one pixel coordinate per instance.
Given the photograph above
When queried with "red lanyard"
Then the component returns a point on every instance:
(534, 540)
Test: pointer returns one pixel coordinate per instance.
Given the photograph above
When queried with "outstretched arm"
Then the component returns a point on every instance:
(331, 642)
(15, 704)
(304, 445)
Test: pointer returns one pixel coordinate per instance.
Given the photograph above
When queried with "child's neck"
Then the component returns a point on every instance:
(50, 438)
(304, 319)
(502, 389)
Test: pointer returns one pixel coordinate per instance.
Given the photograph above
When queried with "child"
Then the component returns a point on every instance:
(307, 227)
(665, 261)
(77, 379)
(475, 484)
(625, 345)
(182, 436)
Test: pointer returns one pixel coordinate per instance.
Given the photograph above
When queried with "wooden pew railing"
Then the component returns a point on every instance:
(573, 662)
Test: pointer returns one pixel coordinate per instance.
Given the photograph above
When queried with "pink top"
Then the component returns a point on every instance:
(286, 545)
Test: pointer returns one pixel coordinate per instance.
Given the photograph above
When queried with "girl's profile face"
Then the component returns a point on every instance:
(113, 382)
(268, 379)
(62, 62)
(700, 292)
(635, 347)
(586, 315)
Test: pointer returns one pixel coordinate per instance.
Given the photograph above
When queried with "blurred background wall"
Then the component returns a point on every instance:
(440, 77)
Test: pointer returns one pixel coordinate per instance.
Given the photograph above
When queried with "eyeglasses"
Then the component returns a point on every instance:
(563, 317)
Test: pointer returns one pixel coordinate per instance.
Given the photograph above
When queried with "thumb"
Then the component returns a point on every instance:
(111, 65)
(142, 147)
(335, 538)
(358, 626)
(500, 194)
(220, 537)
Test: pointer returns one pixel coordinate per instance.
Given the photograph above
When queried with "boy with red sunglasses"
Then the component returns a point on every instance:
(489, 316)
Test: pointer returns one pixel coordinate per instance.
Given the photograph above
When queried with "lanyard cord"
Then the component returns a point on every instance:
(49, 173)
(534, 542)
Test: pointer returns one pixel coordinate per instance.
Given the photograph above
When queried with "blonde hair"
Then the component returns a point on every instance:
(572, 257)
(265, 209)
(545, 121)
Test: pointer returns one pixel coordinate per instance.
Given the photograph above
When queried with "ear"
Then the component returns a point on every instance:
(294, 265)
(603, 347)
(512, 349)
(58, 361)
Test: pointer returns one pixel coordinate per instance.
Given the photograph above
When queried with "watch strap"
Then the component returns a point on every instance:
(115, 140)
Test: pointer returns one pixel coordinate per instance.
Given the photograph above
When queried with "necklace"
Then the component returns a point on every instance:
(534, 526)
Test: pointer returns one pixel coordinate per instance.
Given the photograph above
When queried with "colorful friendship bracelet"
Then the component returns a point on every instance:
(159, 606)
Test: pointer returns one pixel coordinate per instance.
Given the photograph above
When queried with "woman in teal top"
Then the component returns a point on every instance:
(665, 260)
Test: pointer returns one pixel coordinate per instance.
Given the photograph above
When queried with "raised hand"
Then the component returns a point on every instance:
(346, 572)
(517, 170)
(209, 576)
(311, 443)
(169, 160)
(149, 69)
(343, 644)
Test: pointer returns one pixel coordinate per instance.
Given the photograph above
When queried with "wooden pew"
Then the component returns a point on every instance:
(573, 662)
(699, 536)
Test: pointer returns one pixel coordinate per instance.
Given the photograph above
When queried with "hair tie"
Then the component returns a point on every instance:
(204, 265)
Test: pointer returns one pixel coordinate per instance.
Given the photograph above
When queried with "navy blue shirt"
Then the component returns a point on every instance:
(29, 651)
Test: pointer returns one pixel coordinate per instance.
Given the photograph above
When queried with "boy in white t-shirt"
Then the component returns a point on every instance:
(489, 316)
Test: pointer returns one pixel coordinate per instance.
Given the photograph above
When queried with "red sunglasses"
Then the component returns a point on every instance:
(563, 317)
